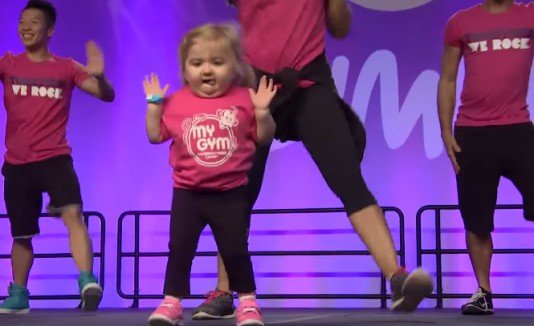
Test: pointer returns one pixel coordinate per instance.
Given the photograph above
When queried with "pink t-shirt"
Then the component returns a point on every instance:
(498, 52)
(213, 139)
(282, 33)
(37, 100)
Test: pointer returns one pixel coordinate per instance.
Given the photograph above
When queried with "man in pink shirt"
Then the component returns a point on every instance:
(493, 134)
(285, 40)
(37, 91)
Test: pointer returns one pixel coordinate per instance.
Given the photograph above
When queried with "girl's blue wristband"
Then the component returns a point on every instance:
(154, 99)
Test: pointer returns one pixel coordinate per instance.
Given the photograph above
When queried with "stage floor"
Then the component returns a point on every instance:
(328, 317)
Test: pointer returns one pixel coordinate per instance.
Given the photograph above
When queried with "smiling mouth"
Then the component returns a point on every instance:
(26, 37)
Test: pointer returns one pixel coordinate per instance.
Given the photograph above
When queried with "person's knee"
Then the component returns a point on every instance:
(478, 230)
(477, 217)
(72, 216)
(235, 257)
(23, 242)
(182, 248)
(362, 207)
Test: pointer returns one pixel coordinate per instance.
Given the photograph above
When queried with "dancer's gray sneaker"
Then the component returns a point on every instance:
(480, 303)
(218, 305)
(408, 290)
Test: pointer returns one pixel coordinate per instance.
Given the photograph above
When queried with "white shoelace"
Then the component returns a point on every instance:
(477, 295)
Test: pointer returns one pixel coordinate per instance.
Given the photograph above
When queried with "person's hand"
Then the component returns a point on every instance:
(452, 148)
(261, 99)
(95, 60)
(152, 87)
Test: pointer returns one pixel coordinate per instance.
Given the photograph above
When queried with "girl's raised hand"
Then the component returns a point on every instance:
(263, 96)
(152, 86)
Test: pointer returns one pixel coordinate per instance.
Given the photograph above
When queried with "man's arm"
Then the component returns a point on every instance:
(97, 85)
(447, 100)
(338, 18)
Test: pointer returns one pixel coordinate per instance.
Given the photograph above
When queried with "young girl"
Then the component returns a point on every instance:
(215, 123)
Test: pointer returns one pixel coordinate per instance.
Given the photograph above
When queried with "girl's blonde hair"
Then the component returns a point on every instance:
(228, 37)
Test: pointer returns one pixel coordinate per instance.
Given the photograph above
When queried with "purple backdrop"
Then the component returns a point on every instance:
(387, 69)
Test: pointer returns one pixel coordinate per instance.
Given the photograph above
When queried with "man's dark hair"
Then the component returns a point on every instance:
(46, 7)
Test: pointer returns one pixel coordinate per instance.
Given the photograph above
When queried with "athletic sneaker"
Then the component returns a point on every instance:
(218, 305)
(480, 303)
(408, 290)
(169, 313)
(90, 291)
(248, 313)
(17, 301)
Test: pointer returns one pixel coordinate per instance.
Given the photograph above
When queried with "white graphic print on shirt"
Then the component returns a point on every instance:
(210, 138)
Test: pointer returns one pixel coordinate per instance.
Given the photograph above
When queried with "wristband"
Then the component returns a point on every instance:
(154, 99)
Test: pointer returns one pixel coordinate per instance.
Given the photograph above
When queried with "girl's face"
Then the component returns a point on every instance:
(209, 68)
